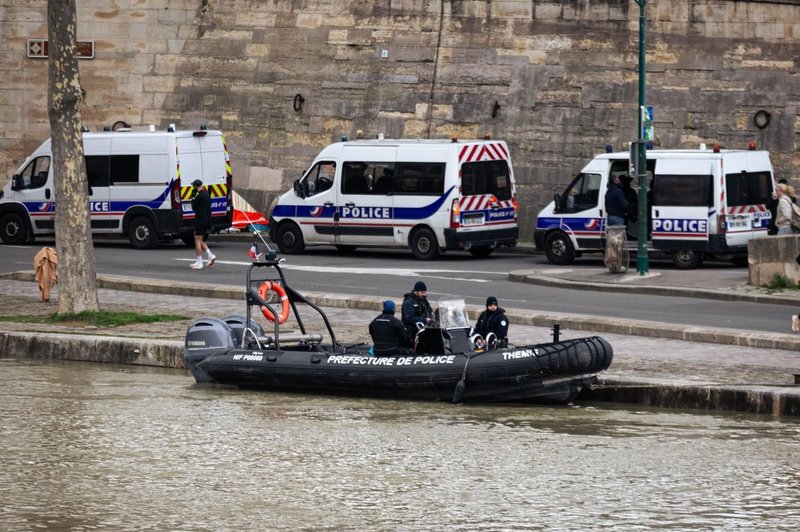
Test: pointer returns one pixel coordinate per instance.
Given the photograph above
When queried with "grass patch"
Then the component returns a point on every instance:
(781, 282)
(102, 318)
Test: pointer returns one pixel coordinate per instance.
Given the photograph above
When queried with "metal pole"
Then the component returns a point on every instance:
(642, 259)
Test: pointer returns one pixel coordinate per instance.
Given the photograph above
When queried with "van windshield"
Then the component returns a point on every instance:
(486, 177)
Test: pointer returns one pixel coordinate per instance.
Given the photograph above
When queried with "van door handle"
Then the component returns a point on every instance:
(328, 204)
(351, 204)
(47, 193)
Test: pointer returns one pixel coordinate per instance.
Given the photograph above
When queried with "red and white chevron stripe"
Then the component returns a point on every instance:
(490, 151)
(747, 209)
(482, 202)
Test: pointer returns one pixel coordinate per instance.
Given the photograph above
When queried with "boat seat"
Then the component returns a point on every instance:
(438, 341)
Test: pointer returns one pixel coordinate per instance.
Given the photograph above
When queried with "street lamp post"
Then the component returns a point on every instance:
(642, 260)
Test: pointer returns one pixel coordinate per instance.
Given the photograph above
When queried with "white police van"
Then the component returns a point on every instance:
(429, 195)
(701, 203)
(139, 186)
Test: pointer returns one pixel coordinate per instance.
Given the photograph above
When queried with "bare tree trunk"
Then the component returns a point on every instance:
(77, 290)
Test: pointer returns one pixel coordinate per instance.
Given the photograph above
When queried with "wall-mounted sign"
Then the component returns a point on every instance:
(37, 48)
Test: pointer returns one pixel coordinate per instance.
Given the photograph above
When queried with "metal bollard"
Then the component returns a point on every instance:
(556, 332)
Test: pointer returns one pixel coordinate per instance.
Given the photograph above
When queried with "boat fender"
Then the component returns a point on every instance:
(265, 287)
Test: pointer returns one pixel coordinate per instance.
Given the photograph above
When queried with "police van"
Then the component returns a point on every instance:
(700, 203)
(429, 195)
(139, 186)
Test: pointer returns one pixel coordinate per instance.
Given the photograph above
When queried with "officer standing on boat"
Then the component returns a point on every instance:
(416, 309)
(388, 333)
(493, 320)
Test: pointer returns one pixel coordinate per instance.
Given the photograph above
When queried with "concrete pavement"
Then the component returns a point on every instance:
(654, 364)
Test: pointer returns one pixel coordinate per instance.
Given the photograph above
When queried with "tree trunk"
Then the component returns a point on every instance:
(77, 289)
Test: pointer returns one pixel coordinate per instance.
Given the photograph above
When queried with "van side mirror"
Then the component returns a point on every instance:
(16, 182)
(298, 189)
(557, 203)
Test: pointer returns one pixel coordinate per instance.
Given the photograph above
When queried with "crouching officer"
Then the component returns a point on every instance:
(388, 333)
(493, 320)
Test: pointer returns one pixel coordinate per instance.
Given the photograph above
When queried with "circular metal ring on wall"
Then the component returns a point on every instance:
(298, 102)
(761, 119)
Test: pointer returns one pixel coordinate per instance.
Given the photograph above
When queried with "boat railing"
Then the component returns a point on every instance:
(254, 299)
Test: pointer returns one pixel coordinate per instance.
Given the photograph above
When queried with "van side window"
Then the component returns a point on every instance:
(97, 170)
(583, 193)
(124, 169)
(35, 174)
(683, 190)
(748, 188)
(367, 178)
(319, 178)
(420, 178)
(486, 177)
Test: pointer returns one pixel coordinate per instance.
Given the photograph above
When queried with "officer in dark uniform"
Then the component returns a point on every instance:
(493, 320)
(416, 309)
(388, 333)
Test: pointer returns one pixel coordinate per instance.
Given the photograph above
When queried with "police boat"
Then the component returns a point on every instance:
(447, 362)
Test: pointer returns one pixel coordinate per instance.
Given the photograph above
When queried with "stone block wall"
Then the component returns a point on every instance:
(775, 255)
(558, 80)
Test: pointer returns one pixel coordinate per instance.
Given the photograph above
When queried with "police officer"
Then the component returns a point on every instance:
(388, 333)
(416, 309)
(493, 320)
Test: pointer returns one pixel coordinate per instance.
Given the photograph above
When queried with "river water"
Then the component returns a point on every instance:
(104, 447)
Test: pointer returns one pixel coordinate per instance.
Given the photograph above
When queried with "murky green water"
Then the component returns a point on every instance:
(100, 447)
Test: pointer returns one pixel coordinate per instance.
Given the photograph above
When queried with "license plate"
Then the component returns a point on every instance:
(472, 219)
(739, 223)
(186, 207)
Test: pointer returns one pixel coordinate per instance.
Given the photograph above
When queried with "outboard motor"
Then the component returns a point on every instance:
(204, 337)
(239, 324)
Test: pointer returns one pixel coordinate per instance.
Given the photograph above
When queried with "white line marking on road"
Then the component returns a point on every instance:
(397, 272)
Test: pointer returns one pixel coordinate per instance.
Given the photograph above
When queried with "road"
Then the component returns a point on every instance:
(390, 274)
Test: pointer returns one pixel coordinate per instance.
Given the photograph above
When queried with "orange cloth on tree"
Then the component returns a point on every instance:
(45, 264)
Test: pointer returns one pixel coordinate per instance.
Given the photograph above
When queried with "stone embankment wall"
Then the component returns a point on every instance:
(775, 255)
(557, 80)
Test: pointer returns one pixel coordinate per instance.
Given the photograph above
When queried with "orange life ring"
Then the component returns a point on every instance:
(265, 287)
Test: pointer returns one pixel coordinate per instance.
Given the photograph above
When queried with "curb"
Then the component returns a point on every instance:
(523, 317)
(531, 277)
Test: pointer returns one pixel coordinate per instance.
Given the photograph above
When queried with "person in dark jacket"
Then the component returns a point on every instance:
(493, 320)
(616, 204)
(388, 333)
(416, 309)
(201, 205)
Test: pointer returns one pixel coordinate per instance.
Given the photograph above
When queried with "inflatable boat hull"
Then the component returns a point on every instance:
(549, 373)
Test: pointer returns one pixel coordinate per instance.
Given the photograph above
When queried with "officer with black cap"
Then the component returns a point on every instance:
(201, 205)
(493, 320)
(416, 309)
(388, 333)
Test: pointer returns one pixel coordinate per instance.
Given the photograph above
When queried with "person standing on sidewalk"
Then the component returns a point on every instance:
(783, 220)
(201, 205)
(616, 204)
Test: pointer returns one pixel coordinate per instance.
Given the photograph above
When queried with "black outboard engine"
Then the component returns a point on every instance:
(204, 337)
(239, 325)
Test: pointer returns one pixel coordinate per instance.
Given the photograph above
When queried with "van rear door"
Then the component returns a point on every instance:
(748, 185)
(215, 176)
(682, 203)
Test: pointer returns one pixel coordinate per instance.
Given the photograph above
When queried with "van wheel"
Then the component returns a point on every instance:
(289, 239)
(482, 251)
(142, 233)
(686, 259)
(558, 248)
(345, 249)
(13, 229)
(424, 245)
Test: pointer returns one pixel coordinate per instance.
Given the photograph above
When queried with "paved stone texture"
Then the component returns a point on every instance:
(636, 358)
